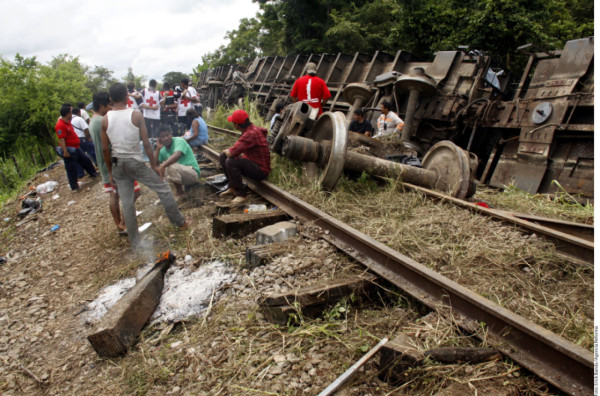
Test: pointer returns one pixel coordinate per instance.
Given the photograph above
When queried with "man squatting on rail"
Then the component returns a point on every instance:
(249, 156)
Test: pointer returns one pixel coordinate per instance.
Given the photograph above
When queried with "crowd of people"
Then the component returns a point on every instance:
(117, 140)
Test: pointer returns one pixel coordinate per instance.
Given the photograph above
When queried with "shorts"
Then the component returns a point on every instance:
(109, 188)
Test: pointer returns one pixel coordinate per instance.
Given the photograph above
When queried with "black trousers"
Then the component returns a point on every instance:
(235, 168)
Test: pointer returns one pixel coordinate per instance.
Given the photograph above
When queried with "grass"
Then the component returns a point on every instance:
(29, 160)
(561, 205)
(477, 252)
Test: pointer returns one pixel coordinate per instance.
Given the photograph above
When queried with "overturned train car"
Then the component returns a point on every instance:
(536, 133)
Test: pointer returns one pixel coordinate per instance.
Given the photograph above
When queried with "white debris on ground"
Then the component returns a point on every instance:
(185, 293)
(107, 298)
(189, 293)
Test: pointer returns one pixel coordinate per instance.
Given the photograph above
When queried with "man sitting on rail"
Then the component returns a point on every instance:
(176, 159)
(256, 161)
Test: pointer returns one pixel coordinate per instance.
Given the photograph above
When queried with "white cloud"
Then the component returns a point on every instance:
(152, 36)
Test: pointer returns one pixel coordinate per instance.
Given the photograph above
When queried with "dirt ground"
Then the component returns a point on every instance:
(51, 276)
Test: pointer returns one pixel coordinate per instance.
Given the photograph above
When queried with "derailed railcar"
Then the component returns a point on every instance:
(528, 133)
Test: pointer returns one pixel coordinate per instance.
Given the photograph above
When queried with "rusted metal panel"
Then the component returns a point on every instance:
(476, 106)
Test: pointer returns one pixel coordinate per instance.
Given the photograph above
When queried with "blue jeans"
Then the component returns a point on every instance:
(77, 157)
(87, 146)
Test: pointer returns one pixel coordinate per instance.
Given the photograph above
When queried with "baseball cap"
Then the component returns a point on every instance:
(311, 68)
(238, 116)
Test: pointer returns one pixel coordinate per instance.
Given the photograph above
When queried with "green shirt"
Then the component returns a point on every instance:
(95, 128)
(187, 155)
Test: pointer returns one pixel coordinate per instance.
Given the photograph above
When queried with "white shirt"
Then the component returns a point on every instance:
(85, 115)
(79, 125)
(184, 102)
(151, 98)
(132, 103)
(123, 135)
(388, 124)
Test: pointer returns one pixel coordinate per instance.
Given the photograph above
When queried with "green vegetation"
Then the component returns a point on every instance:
(421, 27)
(30, 157)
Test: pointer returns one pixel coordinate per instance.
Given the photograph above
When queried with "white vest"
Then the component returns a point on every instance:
(151, 99)
(131, 103)
(123, 135)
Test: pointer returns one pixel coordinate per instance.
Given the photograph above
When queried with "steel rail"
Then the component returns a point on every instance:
(554, 359)
(575, 248)
(576, 241)
(223, 130)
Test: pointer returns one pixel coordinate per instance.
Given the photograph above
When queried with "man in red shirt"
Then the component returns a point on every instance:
(311, 89)
(256, 161)
(69, 148)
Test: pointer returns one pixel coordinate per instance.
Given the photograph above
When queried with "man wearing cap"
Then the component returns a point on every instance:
(311, 89)
(249, 156)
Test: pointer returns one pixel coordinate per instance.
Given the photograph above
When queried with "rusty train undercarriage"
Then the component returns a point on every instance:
(536, 133)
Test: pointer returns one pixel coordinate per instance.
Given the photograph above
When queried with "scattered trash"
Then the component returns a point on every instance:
(137, 213)
(55, 196)
(55, 227)
(46, 187)
(2, 260)
(144, 227)
(219, 182)
(483, 205)
(32, 191)
(29, 206)
(7, 219)
(188, 259)
(70, 203)
(256, 208)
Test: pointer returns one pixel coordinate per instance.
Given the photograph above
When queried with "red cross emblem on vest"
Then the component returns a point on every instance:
(151, 101)
(129, 102)
(185, 102)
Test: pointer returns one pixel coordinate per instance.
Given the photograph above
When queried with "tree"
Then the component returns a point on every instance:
(32, 94)
(138, 80)
(498, 27)
(174, 78)
(100, 79)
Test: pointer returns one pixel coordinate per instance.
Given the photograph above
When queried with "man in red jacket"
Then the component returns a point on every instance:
(249, 156)
(311, 89)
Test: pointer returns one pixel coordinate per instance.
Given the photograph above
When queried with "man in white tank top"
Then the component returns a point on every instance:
(151, 109)
(122, 131)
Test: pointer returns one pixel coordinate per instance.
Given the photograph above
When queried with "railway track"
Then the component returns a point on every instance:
(575, 241)
(551, 357)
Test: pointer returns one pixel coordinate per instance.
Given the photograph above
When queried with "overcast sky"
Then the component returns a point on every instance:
(152, 36)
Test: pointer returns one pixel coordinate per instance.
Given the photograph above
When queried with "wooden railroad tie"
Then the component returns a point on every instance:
(245, 223)
(259, 255)
(311, 300)
(121, 325)
(400, 354)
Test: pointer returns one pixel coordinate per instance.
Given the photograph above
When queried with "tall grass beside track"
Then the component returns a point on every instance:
(29, 160)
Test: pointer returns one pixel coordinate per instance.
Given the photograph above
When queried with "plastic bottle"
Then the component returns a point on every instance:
(46, 187)
(256, 208)
(55, 227)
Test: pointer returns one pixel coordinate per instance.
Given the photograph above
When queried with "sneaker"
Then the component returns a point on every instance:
(227, 192)
(238, 200)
